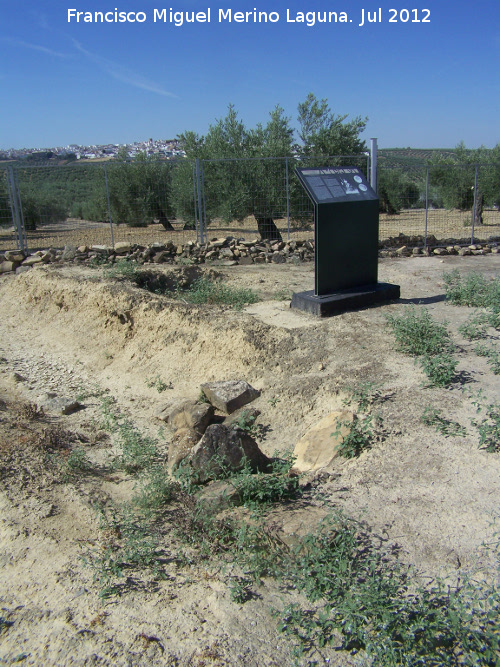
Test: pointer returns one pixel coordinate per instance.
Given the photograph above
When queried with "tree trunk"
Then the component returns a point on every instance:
(478, 209)
(165, 222)
(267, 229)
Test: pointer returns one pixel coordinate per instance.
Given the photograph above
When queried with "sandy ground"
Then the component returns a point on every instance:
(69, 330)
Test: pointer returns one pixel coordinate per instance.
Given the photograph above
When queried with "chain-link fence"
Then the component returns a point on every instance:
(262, 196)
(150, 200)
(99, 204)
(439, 203)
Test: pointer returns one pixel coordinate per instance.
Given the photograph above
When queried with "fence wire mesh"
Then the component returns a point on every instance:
(101, 204)
(150, 200)
(262, 196)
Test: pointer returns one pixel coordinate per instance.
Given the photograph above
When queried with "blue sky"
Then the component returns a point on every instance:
(420, 84)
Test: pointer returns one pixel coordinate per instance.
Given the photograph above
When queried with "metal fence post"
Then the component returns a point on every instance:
(16, 210)
(373, 164)
(426, 205)
(287, 199)
(474, 205)
(195, 201)
(199, 232)
(109, 207)
(203, 203)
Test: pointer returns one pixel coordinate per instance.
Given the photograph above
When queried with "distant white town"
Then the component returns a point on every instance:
(162, 148)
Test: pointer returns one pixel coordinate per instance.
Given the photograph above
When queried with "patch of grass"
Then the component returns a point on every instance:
(417, 333)
(206, 291)
(123, 268)
(358, 439)
(492, 356)
(489, 426)
(126, 542)
(473, 289)
(439, 368)
(433, 417)
(364, 394)
(158, 384)
(258, 489)
(282, 295)
(138, 451)
(154, 490)
(475, 327)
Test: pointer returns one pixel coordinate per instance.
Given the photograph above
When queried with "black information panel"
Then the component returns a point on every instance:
(336, 184)
(346, 228)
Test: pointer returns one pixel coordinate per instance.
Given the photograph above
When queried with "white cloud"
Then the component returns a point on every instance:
(122, 73)
(35, 47)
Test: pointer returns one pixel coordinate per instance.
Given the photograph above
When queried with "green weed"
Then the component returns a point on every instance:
(126, 542)
(206, 291)
(417, 333)
(433, 417)
(154, 490)
(474, 289)
(439, 368)
(258, 489)
(475, 327)
(492, 356)
(123, 268)
(364, 394)
(358, 439)
(158, 384)
(489, 426)
(138, 451)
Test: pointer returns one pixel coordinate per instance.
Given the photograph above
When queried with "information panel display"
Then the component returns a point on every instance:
(346, 228)
(336, 184)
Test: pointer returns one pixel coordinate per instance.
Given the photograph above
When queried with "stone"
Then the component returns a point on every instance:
(122, 247)
(186, 413)
(248, 413)
(23, 269)
(32, 259)
(183, 442)
(14, 255)
(230, 395)
(318, 447)
(69, 253)
(7, 267)
(226, 448)
(58, 404)
(218, 496)
(226, 253)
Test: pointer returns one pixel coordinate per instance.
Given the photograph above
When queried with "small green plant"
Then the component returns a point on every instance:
(240, 589)
(258, 489)
(78, 461)
(273, 402)
(359, 436)
(417, 333)
(246, 421)
(207, 291)
(138, 451)
(489, 426)
(433, 417)
(154, 490)
(282, 295)
(123, 268)
(492, 356)
(474, 290)
(439, 368)
(364, 394)
(158, 384)
(126, 542)
(475, 327)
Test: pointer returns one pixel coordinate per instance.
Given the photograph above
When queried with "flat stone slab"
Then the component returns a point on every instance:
(230, 395)
(344, 300)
